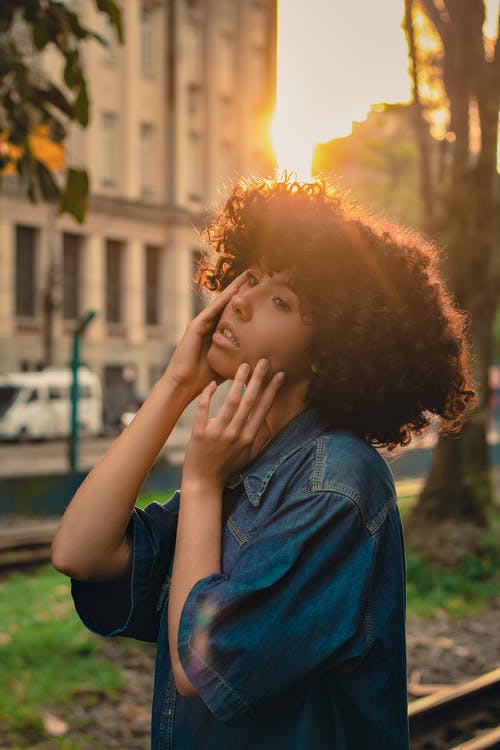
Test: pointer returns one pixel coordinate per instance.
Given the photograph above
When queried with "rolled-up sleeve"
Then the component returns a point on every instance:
(132, 607)
(296, 602)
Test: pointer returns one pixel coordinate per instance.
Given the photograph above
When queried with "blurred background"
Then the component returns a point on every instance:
(122, 125)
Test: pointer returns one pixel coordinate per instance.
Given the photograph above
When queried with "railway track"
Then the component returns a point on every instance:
(26, 545)
(460, 717)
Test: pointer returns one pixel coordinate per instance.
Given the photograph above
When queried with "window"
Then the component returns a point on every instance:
(226, 161)
(152, 285)
(227, 63)
(147, 66)
(58, 392)
(114, 269)
(227, 117)
(193, 60)
(71, 275)
(146, 159)
(25, 271)
(198, 300)
(194, 99)
(195, 170)
(228, 15)
(108, 149)
(258, 74)
(258, 23)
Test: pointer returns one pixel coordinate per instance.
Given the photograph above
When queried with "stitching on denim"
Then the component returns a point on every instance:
(372, 525)
(376, 522)
(219, 677)
(166, 719)
(369, 624)
(272, 469)
(319, 462)
(163, 593)
(239, 535)
(170, 717)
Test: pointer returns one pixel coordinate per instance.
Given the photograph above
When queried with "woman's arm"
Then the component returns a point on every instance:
(91, 542)
(217, 448)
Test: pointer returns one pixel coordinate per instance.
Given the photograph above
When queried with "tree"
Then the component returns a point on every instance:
(458, 488)
(31, 104)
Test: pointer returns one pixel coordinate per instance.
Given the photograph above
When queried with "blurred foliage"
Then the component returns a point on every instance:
(378, 164)
(460, 590)
(46, 655)
(33, 105)
(157, 497)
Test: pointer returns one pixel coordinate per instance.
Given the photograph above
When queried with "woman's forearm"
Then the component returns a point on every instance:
(197, 555)
(90, 542)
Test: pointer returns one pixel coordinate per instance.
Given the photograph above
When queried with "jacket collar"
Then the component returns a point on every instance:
(302, 429)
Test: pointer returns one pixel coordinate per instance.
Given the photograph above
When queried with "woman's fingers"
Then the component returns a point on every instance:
(221, 299)
(258, 414)
(233, 398)
(201, 416)
(256, 401)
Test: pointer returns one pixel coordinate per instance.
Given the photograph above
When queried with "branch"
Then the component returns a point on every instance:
(435, 17)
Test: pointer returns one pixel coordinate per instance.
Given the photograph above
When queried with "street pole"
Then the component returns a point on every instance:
(75, 363)
(52, 292)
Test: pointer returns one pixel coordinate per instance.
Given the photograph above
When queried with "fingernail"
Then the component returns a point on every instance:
(280, 377)
(264, 364)
(244, 368)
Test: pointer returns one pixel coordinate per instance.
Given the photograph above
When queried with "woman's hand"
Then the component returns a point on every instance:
(220, 446)
(188, 366)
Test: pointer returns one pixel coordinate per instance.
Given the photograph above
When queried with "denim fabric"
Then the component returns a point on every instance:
(299, 642)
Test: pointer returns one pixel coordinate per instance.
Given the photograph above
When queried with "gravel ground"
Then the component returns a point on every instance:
(441, 651)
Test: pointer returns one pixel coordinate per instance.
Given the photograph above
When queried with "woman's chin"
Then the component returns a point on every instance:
(220, 365)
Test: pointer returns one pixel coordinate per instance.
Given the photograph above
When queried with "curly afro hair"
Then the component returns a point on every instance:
(390, 345)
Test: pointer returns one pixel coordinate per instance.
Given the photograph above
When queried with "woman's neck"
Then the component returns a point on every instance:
(287, 404)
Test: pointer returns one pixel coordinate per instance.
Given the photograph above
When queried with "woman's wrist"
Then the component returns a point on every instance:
(183, 392)
(196, 486)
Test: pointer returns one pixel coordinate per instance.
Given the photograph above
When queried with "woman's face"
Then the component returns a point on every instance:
(263, 320)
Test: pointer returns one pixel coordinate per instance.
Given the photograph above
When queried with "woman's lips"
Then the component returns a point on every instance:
(220, 340)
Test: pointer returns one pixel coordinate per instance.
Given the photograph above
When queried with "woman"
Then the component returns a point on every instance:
(273, 582)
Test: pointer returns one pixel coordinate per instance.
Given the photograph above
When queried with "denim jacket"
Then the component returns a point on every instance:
(299, 641)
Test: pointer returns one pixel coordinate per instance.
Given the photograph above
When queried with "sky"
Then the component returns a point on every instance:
(335, 59)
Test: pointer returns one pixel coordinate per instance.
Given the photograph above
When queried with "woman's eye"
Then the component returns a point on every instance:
(282, 303)
(252, 279)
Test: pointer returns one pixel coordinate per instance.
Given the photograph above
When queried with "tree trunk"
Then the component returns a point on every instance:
(458, 489)
(420, 126)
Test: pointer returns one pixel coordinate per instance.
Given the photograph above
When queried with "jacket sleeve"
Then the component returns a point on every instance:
(297, 602)
(132, 607)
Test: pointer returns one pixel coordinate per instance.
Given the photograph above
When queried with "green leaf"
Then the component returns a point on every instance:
(82, 106)
(49, 188)
(114, 14)
(75, 194)
(40, 34)
(79, 31)
(72, 70)
(52, 95)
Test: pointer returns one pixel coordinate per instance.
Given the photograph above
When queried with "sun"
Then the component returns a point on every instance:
(293, 149)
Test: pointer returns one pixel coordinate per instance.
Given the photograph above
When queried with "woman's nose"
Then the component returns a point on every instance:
(242, 303)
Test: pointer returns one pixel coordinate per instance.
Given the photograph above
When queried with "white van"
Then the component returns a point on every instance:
(37, 405)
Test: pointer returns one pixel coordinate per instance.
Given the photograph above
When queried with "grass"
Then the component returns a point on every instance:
(463, 590)
(460, 591)
(48, 660)
(46, 655)
(148, 497)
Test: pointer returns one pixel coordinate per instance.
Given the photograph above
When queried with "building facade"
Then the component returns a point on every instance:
(178, 111)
